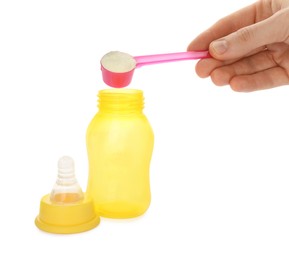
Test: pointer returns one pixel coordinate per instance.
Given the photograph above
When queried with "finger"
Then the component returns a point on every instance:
(205, 67)
(224, 27)
(262, 61)
(247, 39)
(270, 78)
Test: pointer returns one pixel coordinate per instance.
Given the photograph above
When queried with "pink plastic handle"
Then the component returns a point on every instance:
(168, 57)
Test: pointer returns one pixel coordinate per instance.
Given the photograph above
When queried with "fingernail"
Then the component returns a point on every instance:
(220, 46)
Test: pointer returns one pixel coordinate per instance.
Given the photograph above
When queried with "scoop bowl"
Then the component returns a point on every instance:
(116, 79)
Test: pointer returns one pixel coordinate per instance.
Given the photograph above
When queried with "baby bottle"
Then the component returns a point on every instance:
(119, 144)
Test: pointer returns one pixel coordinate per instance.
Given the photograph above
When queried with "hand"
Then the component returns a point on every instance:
(250, 48)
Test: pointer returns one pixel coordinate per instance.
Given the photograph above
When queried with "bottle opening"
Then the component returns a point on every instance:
(120, 100)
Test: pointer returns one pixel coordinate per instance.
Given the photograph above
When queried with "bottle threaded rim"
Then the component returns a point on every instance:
(120, 100)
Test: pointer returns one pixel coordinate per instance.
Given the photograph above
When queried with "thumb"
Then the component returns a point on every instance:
(247, 39)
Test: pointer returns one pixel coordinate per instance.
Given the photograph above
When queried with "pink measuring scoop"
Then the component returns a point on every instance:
(122, 79)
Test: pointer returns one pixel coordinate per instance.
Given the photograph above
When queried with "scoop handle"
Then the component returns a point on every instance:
(170, 57)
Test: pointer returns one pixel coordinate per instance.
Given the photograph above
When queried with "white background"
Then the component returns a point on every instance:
(219, 173)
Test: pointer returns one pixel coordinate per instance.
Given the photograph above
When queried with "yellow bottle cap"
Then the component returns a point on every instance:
(66, 218)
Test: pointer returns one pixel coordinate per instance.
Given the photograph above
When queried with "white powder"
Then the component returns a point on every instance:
(116, 61)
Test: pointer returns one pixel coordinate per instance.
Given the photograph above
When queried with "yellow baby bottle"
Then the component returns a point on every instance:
(119, 144)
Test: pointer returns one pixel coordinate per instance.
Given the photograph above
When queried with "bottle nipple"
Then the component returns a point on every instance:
(66, 189)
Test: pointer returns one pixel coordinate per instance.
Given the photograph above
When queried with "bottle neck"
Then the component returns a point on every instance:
(120, 101)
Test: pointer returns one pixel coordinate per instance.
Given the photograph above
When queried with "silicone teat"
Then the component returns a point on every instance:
(118, 67)
(66, 188)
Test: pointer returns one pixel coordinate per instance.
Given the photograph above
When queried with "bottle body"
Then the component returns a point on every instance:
(119, 146)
